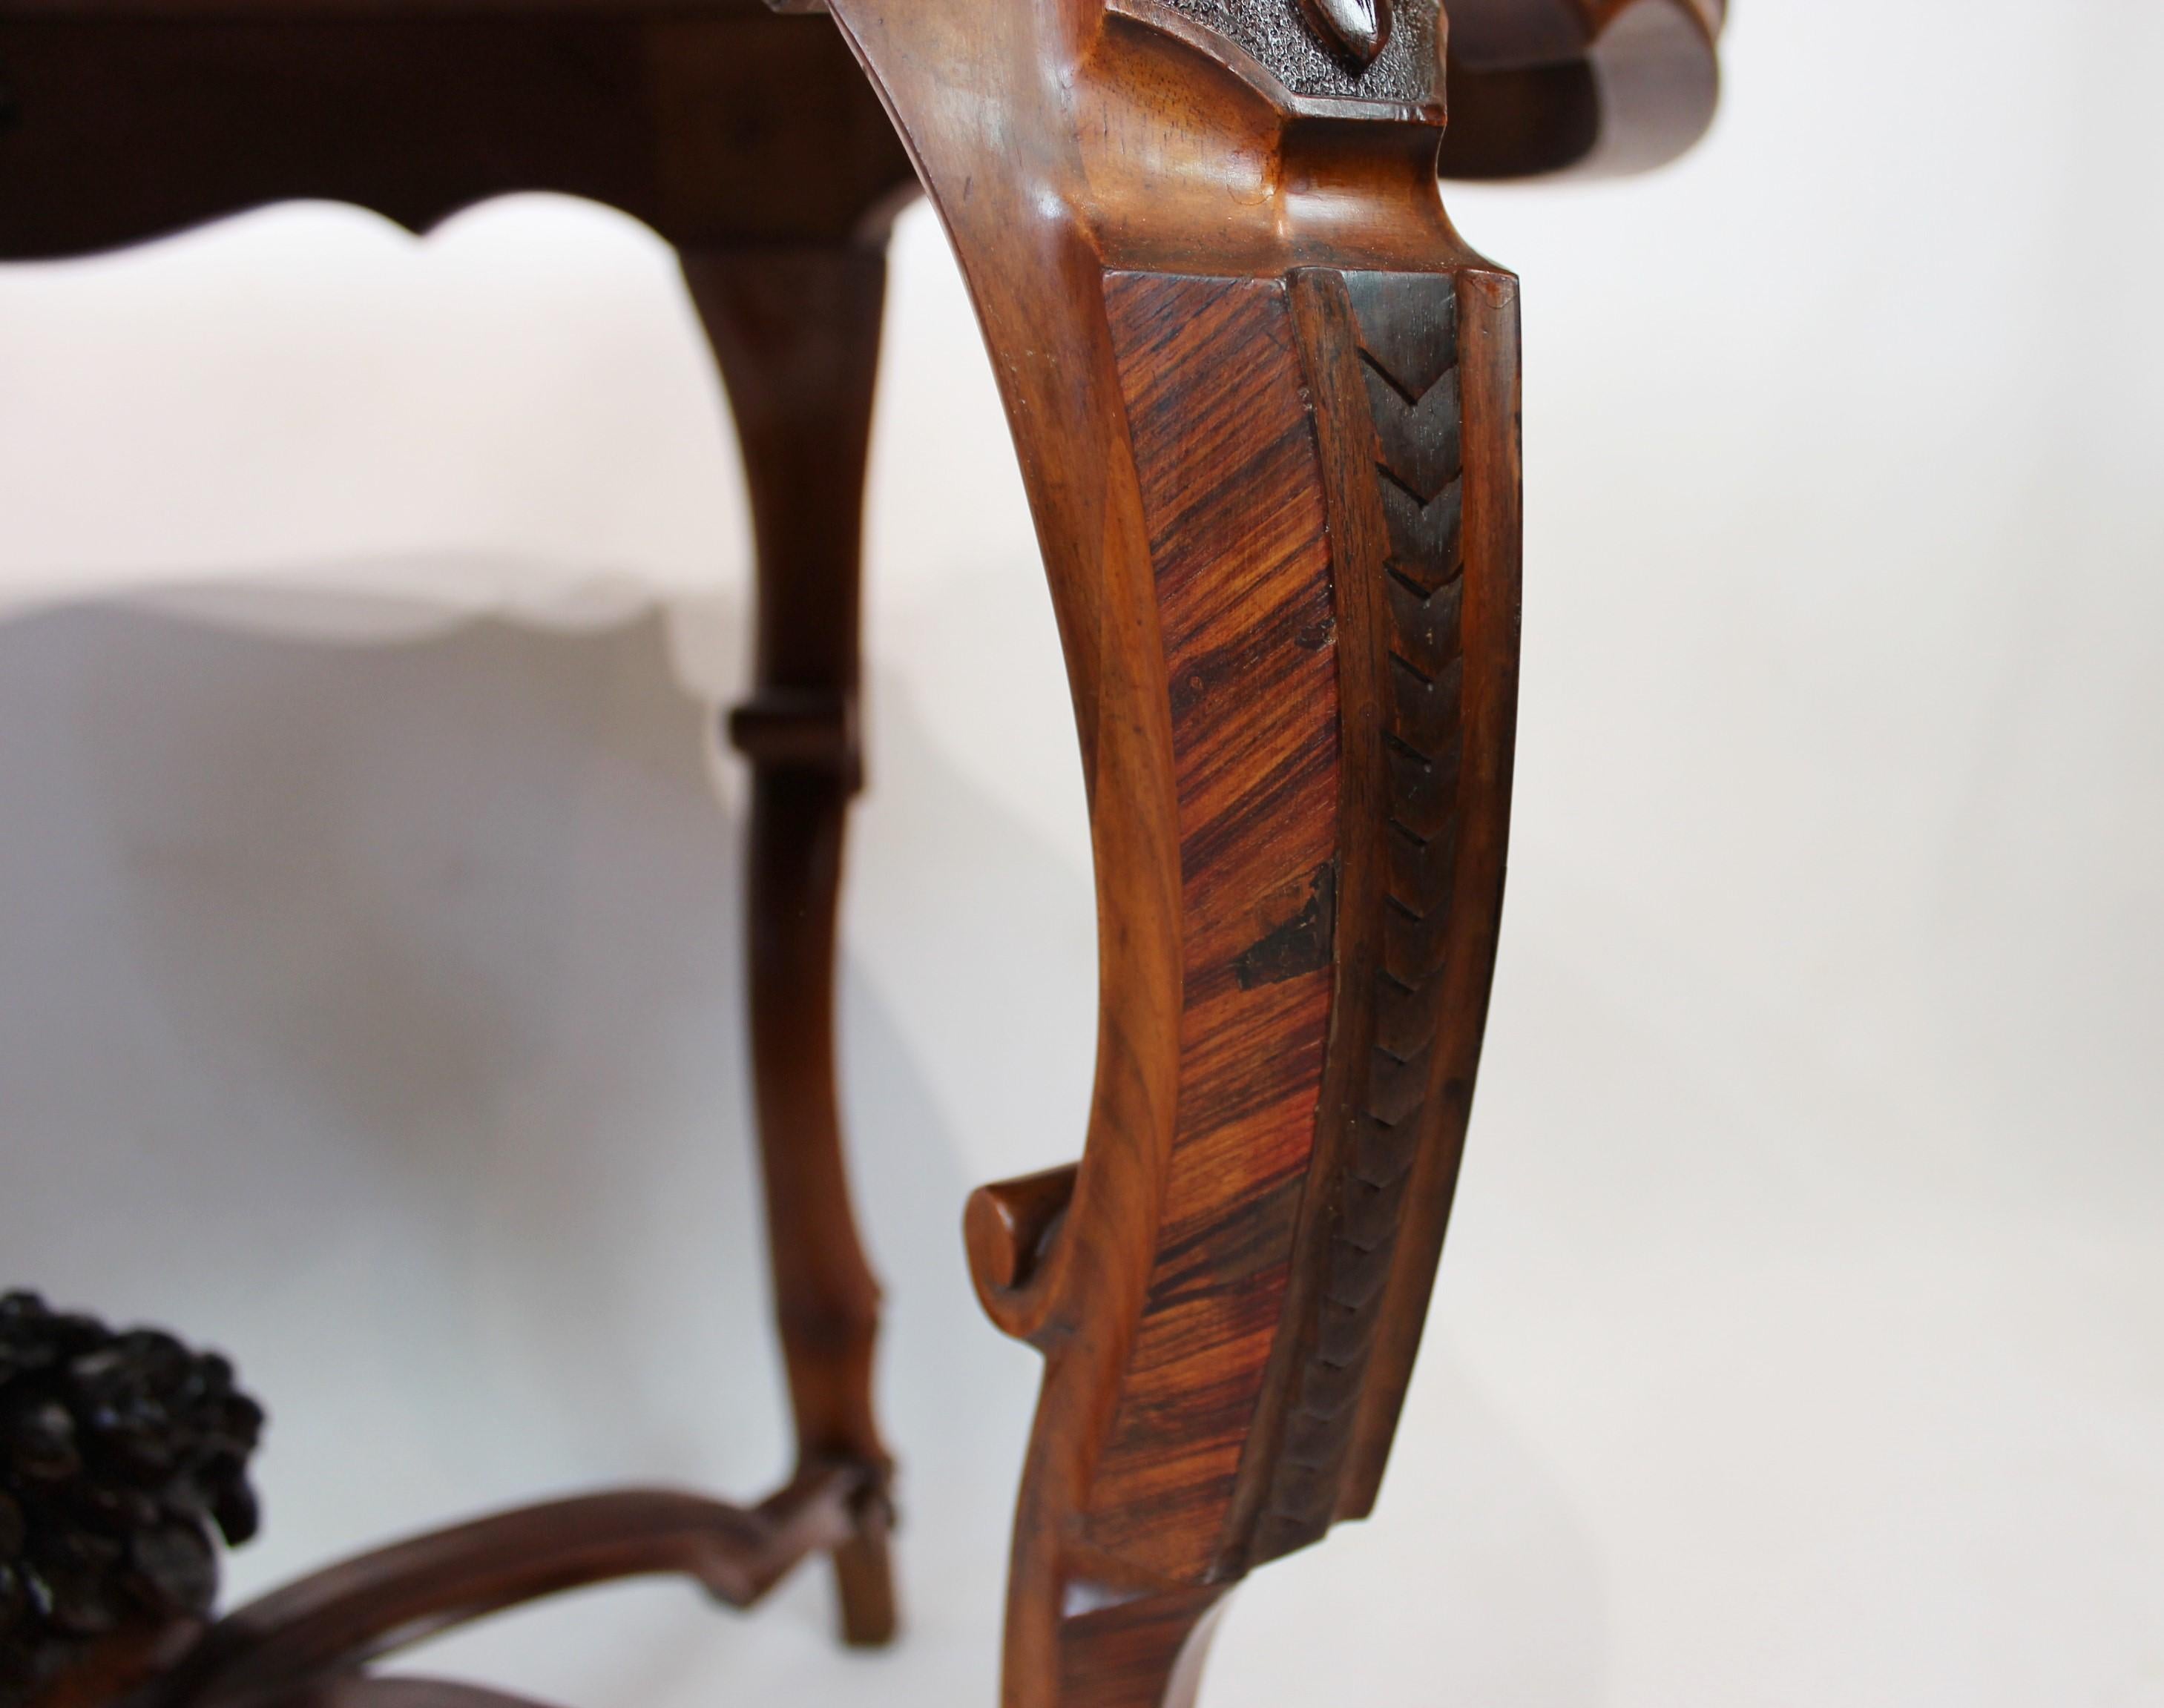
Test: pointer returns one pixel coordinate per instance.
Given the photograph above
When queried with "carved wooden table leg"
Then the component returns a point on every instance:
(1266, 405)
(796, 333)
(1324, 637)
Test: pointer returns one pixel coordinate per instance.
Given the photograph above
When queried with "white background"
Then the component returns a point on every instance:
(369, 1009)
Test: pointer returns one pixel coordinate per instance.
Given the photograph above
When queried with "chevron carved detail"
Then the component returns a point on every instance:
(1404, 328)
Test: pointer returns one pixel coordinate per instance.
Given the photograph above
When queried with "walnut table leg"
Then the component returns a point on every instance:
(1266, 405)
(796, 332)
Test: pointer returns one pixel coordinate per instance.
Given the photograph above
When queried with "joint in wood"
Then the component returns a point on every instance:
(788, 729)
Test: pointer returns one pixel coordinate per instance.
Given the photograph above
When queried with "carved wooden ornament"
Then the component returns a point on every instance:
(1358, 27)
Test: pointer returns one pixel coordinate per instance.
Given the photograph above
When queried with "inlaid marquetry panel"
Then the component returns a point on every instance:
(1238, 536)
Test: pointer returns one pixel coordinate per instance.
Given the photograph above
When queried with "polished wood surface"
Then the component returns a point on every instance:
(715, 125)
(713, 121)
(1265, 401)
(1266, 405)
(796, 331)
(352, 1613)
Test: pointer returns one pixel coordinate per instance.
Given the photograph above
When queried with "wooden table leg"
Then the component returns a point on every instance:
(1266, 405)
(796, 333)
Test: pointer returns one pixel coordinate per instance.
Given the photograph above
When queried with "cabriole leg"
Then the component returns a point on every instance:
(1265, 402)
(796, 333)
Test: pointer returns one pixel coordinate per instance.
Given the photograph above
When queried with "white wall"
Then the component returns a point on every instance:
(370, 1009)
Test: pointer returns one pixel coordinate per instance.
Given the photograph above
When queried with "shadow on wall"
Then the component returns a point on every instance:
(373, 1013)
(355, 1000)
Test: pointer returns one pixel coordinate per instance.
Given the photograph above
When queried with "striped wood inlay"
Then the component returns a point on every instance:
(1228, 458)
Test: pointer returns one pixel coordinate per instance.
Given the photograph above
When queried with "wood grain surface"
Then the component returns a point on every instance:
(1265, 401)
